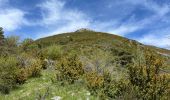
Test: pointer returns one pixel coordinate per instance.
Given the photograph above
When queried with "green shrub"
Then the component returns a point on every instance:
(97, 59)
(25, 45)
(101, 85)
(1, 41)
(125, 91)
(94, 82)
(22, 76)
(1, 36)
(9, 71)
(144, 76)
(122, 57)
(52, 52)
(29, 66)
(69, 69)
(35, 68)
(108, 88)
(11, 45)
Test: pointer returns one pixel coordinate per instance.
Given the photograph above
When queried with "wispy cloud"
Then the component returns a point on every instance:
(65, 20)
(60, 19)
(158, 38)
(56, 18)
(10, 18)
(159, 14)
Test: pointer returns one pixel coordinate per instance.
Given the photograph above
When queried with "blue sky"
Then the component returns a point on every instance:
(147, 21)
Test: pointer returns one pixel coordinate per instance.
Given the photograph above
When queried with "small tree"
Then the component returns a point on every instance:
(1, 41)
(11, 44)
(25, 44)
(1, 36)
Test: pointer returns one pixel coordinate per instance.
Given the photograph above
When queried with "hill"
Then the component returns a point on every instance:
(85, 37)
(85, 65)
(85, 40)
(89, 37)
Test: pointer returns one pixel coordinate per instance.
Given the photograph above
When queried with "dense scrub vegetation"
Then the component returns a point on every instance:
(16, 64)
(108, 66)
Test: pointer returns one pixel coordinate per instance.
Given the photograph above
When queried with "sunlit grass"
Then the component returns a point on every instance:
(35, 86)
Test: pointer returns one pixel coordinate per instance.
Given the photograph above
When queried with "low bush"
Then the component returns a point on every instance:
(94, 82)
(101, 85)
(52, 52)
(35, 68)
(69, 69)
(9, 71)
(29, 67)
(145, 76)
(22, 76)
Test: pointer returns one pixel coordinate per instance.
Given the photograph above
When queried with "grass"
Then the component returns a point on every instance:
(35, 86)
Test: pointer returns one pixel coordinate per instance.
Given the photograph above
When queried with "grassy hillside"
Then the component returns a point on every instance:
(88, 37)
(38, 87)
(83, 65)
(105, 41)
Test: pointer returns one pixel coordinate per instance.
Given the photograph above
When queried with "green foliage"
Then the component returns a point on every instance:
(1, 36)
(100, 59)
(28, 46)
(122, 57)
(28, 67)
(101, 85)
(12, 41)
(108, 88)
(1, 41)
(94, 82)
(26, 43)
(22, 76)
(97, 52)
(52, 52)
(145, 77)
(43, 96)
(9, 71)
(11, 45)
(69, 69)
(35, 68)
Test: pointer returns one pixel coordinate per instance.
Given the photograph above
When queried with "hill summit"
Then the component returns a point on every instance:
(83, 30)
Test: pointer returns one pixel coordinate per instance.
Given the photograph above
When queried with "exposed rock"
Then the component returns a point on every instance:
(83, 30)
(56, 98)
(49, 63)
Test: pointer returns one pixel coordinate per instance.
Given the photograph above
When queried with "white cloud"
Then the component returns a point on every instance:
(56, 16)
(159, 14)
(10, 18)
(51, 11)
(160, 10)
(124, 29)
(157, 38)
(54, 13)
